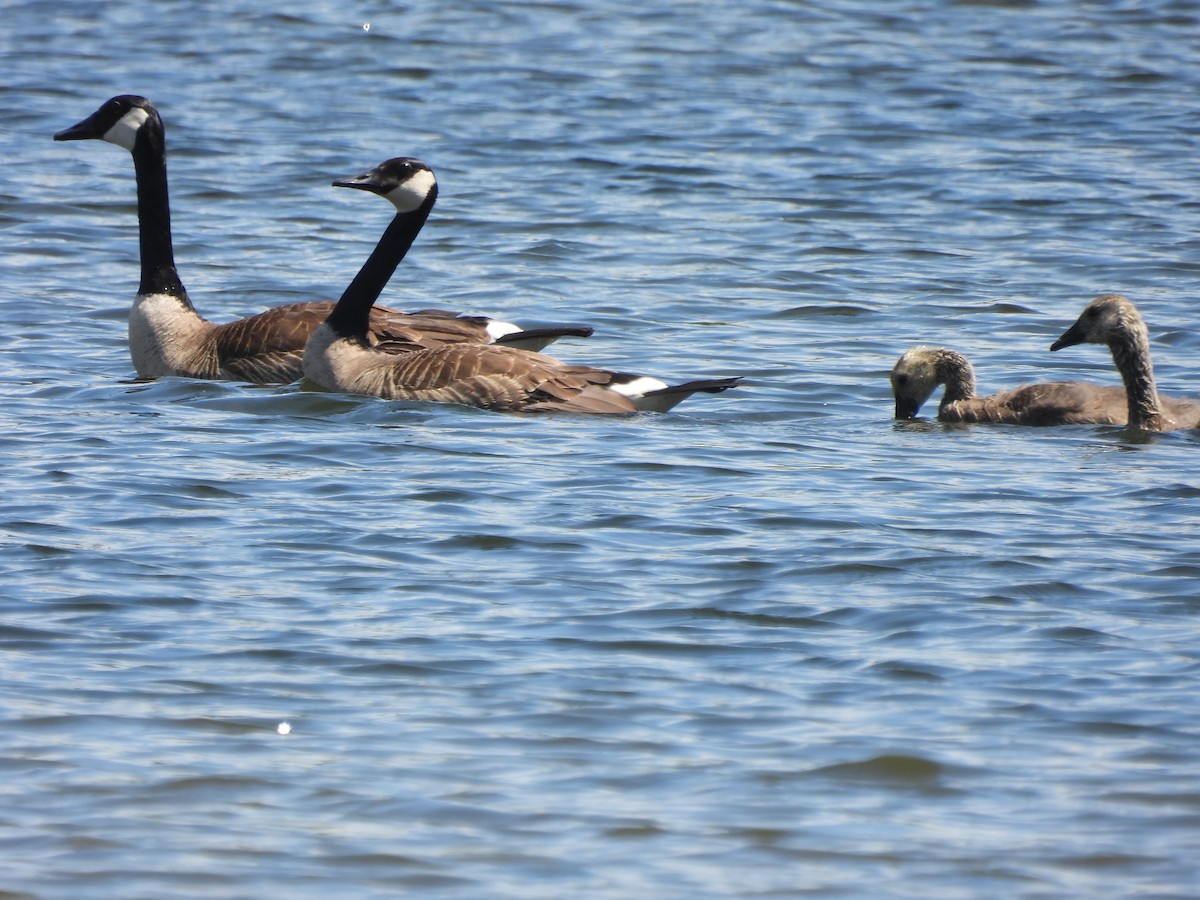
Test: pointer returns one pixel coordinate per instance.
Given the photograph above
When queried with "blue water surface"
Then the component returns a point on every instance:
(269, 640)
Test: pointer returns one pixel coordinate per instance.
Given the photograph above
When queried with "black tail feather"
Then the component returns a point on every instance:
(704, 385)
(553, 332)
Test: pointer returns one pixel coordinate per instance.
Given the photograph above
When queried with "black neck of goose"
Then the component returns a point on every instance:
(1131, 353)
(352, 315)
(956, 373)
(159, 275)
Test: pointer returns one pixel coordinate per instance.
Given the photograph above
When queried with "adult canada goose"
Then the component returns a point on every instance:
(167, 336)
(339, 356)
(920, 370)
(1112, 319)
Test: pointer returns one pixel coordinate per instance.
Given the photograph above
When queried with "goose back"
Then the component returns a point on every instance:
(493, 377)
(1042, 404)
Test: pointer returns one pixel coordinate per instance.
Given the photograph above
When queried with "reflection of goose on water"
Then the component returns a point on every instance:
(1113, 320)
(920, 370)
(340, 358)
(167, 336)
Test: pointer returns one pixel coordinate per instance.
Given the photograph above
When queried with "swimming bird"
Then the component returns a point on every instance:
(920, 370)
(1112, 319)
(167, 336)
(340, 357)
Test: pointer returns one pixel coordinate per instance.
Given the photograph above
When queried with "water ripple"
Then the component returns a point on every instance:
(714, 653)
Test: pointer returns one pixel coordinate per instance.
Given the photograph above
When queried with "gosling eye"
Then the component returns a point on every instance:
(901, 380)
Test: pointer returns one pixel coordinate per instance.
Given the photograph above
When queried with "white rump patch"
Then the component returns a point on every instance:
(124, 133)
(641, 384)
(410, 195)
(497, 329)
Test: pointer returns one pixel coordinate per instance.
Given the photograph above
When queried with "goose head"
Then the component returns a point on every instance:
(118, 121)
(914, 377)
(408, 183)
(1107, 319)
(920, 370)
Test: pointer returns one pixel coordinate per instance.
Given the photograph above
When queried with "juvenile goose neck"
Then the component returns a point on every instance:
(1131, 352)
(352, 314)
(159, 275)
(956, 373)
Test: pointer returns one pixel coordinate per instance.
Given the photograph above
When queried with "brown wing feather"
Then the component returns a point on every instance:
(1048, 403)
(397, 332)
(501, 378)
(591, 398)
(269, 347)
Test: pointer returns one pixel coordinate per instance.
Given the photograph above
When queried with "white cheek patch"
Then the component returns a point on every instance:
(413, 192)
(124, 133)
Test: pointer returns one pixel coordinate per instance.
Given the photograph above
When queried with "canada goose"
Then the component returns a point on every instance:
(1112, 319)
(339, 356)
(920, 370)
(167, 336)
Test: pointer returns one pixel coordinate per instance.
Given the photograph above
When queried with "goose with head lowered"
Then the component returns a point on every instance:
(340, 356)
(920, 370)
(1112, 319)
(167, 336)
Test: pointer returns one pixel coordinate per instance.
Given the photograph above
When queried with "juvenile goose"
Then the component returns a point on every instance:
(1112, 319)
(920, 370)
(167, 336)
(339, 356)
